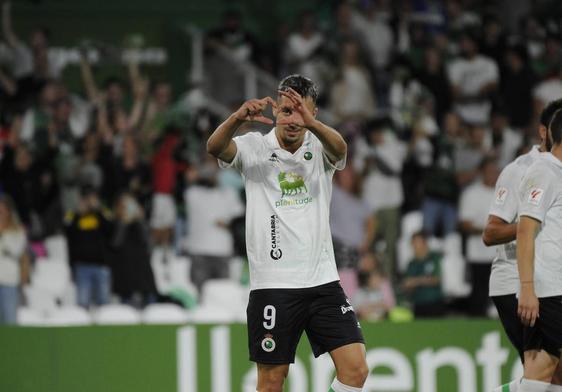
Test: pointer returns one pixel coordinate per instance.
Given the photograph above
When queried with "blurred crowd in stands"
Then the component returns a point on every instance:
(434, 98)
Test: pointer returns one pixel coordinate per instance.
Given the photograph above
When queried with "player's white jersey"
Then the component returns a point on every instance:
(541, 199)
(288, 237)
(504, 278)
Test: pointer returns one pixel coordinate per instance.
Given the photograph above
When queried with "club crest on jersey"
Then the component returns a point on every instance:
(501, 195)
(268, 344)
(535, 196)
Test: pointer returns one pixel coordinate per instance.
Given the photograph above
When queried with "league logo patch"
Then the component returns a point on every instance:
(268, 344)
(535, 196)
(501, 195)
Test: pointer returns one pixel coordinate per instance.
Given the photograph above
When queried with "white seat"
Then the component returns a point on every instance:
(164, 314)
(53, 277)
(116, 314)
(39, 299)
(31, 317)
(411, 222)
(205, 314)
(57, 248)
(70, 315)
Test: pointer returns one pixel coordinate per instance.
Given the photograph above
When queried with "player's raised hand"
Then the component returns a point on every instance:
(302, 117)
(252, 110)
(528, 309)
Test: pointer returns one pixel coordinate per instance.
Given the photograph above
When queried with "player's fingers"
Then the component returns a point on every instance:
(262, 119)
(294, 93)
(533, 318)
(270, 101)
(288, 95)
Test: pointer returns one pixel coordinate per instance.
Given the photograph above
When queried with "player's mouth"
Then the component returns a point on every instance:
(292, 132)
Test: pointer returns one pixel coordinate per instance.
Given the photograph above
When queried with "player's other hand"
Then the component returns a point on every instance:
(253, 109)
(528, 309)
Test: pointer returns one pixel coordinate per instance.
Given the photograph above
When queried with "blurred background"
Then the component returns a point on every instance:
(112, 212)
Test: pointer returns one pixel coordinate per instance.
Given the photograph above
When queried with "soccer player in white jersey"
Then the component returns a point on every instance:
(539, 250)
(501, 230)
(293, 278)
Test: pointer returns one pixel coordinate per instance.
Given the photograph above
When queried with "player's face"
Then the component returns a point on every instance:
(289, 121)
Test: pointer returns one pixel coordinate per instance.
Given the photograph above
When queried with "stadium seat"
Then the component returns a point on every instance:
(31, 317)
(411, 222)
(57, 248)
(208, 314)
(453, 267)
(164, 314)
(69, 315)
(225, 293)
(51, 276)
(39, 299)
(116, 314)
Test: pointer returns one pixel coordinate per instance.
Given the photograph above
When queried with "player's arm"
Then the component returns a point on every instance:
(528, 309)
(220, 144)
(497, 231)
(334, 145)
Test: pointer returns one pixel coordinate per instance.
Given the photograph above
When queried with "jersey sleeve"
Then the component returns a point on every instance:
(505, 202)
(246, 146)
(339, 165)
(536, 193)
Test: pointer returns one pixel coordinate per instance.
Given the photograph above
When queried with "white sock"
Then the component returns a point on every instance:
(339, 387)
(512, 386)
(533, 386)
(554, 388)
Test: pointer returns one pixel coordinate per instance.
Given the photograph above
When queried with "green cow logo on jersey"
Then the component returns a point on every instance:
(291, 184)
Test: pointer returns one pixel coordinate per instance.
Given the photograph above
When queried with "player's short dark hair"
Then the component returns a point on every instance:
(549, 110)
(301, 84)
(419, 234)
(556, 127)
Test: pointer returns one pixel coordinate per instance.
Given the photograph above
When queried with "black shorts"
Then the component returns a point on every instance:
(547, 331)
(277, 318)
(507, 310)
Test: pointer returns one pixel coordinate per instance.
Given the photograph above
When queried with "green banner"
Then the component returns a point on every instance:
(424, 356)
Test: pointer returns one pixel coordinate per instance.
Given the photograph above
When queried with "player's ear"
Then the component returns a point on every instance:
(543, 132)
(315, 111)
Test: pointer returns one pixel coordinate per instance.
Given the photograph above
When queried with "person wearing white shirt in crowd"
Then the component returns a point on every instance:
(501, 230)
(381, 159)
(473, 78)
(293, 276)
(474, 204)
(548, 90)
(12, 247)
(36, 58)
(210, 208)
(539, 246)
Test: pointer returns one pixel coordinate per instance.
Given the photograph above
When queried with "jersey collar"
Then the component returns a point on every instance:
(551, 158)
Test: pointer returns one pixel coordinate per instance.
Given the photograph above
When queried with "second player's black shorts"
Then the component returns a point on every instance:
(547, 331)
(278, 317)
(514, 328)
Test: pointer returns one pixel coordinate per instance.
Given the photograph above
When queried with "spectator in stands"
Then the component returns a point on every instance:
(474, 205)
(236, 44)
(434, 78)
(493, 42)
(157, 115)
(375, 296)
(505, 140)
(303, 47)
(351, 95)
(88, 231)
(13, 269)
(133, 280)
(474, 78)
(517, 81)
(381, 159)
(469, 155)
(353, 227)
(129, 173)
(166, 166)
(39, 116)
(31, 182)
(376, 34)
(422, 280)
(210, 210)
(441, 188)
(548, 90)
